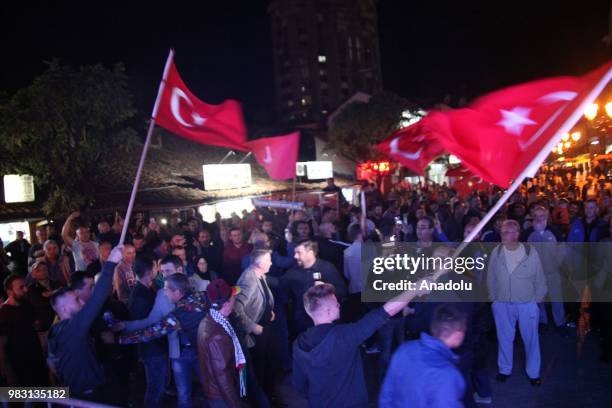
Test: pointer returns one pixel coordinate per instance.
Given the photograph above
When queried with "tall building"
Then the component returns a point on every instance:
(324, 52)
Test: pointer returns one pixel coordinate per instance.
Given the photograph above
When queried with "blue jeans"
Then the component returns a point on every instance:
(183, 368)
(155, 371)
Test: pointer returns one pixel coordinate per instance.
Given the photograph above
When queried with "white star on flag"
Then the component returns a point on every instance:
(514, 121)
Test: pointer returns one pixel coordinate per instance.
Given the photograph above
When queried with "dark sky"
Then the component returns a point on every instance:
(223, 48)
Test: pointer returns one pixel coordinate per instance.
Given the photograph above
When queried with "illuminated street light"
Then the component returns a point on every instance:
(591, 111)
(576, 136)
(609, 109)
(565, 137)
(567, 145)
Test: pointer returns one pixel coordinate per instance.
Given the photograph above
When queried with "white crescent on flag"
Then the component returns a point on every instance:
(394, 149)
(177, 95)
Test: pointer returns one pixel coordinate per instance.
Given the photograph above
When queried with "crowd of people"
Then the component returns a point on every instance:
(234, 306)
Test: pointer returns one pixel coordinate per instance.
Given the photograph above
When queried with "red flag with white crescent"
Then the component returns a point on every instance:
(183, 114)
(414, 146)
(467, 182)
(278, 155)
(501, 133)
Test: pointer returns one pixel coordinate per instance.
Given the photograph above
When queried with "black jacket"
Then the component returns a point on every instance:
(140, 303)
(71, 347)
(327, 366)
(298, 280)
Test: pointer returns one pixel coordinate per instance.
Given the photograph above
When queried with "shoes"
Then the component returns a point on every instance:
(502, 377)
(536, 382)
(482, 400)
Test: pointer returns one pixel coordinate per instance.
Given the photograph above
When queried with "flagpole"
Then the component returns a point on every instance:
(540, 157)
(143, 156)
(293, 192)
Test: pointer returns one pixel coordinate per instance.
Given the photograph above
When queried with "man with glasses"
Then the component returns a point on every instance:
(516, 284)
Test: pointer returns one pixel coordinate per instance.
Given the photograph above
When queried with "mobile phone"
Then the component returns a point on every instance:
(316, 276)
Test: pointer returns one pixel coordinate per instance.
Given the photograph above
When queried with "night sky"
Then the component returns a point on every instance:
(223, 49)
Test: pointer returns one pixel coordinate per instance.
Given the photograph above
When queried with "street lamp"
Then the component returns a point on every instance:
(576, 136)
(591, 111)
(609, 109)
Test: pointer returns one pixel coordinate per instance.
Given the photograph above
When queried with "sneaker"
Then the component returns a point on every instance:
(482, 400)
(536, 382)
(502, 377)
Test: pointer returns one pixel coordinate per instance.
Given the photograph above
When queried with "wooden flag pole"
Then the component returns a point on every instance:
(143, 156)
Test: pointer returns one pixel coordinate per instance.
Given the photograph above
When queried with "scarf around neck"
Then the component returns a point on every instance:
(238, 353)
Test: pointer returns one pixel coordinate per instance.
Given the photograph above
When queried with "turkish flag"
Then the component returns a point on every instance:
(415, 146)
(467, 182)
(278, 155)
(501, 133)
(183, 114)
(458, 172)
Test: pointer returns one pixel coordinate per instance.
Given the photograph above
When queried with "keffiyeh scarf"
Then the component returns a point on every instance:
(238, 354)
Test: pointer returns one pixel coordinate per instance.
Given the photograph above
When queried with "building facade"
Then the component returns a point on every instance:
(324, 52)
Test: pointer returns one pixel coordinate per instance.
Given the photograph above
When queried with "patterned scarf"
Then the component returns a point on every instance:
(238, 354)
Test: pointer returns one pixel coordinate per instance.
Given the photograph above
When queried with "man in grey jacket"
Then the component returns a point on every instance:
(254, 312)
(516, 284)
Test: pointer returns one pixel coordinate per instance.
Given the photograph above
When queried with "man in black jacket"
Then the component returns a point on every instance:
(327, 366)
(309, 270)
(71, 348)
(154, 354)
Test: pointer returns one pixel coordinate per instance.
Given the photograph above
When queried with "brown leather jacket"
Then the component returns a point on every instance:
(217, 362)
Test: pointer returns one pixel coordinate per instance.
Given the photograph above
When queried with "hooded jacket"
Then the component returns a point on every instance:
(327, 367)
(423, 374)
(72, 349)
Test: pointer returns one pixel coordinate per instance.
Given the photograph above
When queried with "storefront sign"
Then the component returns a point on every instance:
(318, 170)
(18, 188)
(226, 176)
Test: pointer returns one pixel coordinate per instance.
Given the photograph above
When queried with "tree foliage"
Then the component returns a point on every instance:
(62, 126)
(359, 126)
